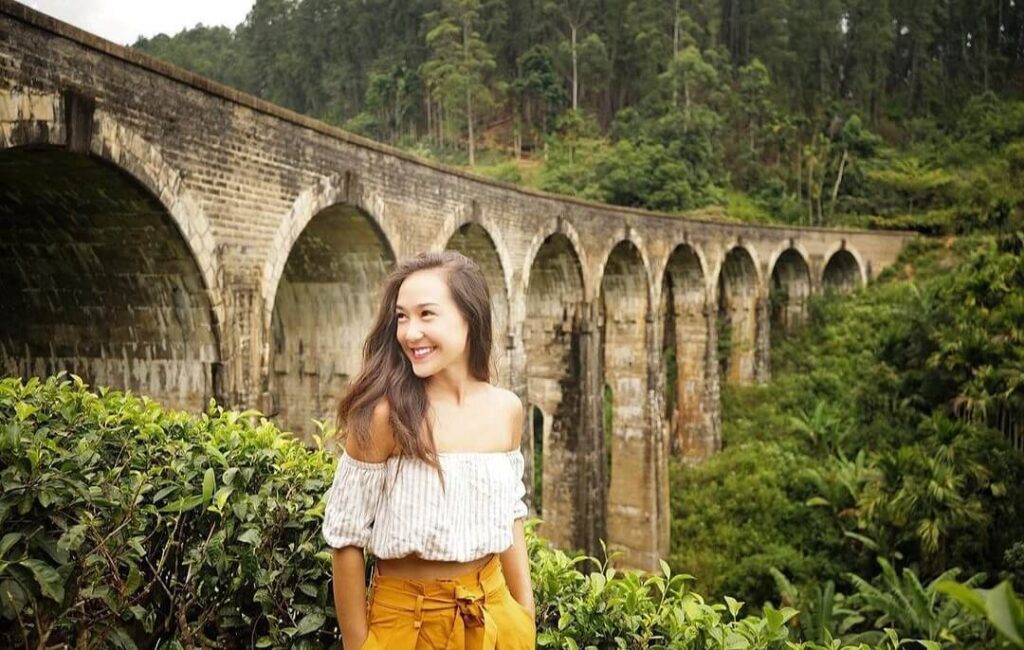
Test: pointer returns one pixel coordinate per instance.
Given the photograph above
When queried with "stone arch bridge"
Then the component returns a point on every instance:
(165, 234)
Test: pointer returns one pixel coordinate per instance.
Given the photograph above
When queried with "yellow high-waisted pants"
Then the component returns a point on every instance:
(475, 611)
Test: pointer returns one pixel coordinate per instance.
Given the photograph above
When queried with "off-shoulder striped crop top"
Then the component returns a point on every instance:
(394, 508)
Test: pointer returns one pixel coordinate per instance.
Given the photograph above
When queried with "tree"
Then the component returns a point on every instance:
(389, 97)
(694, 76)
(575, 14)
(755, 84)
(537, 91)
(460, 59)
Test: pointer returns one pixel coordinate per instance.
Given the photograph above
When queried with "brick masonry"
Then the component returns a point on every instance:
(166, 234)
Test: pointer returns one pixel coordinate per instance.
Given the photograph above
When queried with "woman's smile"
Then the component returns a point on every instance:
(420, 353)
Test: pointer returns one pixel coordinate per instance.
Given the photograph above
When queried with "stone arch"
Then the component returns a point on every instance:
(636, 243)
(789, 289)
(632, 498)
(716, 275)
(130, 152)
(567, 230)
(131, 280)
(328, 191)
(476, 242)
(698, 253)
(738, 285)
(456, 221)
(323, 280)
(554, 381)
(688, 407)
(844, 269)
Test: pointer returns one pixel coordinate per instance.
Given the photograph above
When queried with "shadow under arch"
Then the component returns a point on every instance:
(633, 499)
(325, 299)
(689, 408)
(844, 271)
(789, 289)
(737, 288)
(554, 385)
(119, 284)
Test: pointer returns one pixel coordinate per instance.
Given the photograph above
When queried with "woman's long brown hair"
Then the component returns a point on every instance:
(387, 372)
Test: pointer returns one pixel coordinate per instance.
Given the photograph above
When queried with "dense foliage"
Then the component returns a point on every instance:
(128, 526)
(123, 524)
(895, 113)
(882, 444)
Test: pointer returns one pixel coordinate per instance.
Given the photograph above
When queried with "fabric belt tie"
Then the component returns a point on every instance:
(472, 614)
(473, 628)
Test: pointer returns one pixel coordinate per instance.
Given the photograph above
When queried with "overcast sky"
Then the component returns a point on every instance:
(123, 21)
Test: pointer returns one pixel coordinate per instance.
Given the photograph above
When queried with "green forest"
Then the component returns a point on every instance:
(879, 113)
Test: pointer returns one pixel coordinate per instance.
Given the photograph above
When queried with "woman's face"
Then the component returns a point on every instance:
(431, 329)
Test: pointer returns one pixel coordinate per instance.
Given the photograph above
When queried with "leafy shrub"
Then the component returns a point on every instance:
(875, 436)
(124, 523)
(126, 526)
(507, 171)
(1000, 605)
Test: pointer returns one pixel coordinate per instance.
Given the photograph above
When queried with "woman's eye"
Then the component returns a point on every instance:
(428, 313)
(399, 316)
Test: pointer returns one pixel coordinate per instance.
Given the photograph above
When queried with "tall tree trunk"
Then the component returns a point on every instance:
(835, 188)
(430, 124)
(810, 192)
(469, 93)
(686, 105)
(575, 77)
(675, 49)
(469, 120)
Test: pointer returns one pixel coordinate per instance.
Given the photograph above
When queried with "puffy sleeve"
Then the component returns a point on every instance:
(352, 502)
(519, 508)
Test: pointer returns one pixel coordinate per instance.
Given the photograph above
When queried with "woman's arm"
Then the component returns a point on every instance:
(348, 565)
(515, 564)
(348, 570)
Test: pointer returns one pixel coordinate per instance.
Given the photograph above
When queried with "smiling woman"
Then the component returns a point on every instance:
(431, 481)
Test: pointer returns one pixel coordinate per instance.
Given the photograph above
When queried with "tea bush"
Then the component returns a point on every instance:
(125, 525)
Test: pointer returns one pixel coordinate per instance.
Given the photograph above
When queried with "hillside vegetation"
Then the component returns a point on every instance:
(880, 113)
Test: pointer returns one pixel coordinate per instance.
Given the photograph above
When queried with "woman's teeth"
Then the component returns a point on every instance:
(419, 353)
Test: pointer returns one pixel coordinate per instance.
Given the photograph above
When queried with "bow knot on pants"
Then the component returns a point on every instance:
(475, 611)
(471, 606)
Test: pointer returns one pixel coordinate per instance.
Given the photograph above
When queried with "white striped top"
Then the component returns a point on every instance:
(396, 509)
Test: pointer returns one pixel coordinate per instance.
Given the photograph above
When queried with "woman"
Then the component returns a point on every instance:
(431, 479)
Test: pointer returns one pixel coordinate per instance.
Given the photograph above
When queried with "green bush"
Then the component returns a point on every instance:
(126, 525)
(875, 438)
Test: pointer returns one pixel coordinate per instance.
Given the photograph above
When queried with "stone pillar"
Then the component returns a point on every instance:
(246, 369)
(712, 381)
(763, 344)
(632, 497)
(591, 504)
(691, 424)
(658, 441)
(743, 337)
(514, 348)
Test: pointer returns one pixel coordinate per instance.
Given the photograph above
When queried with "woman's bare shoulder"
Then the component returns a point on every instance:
(508, 403)
(381, 442)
